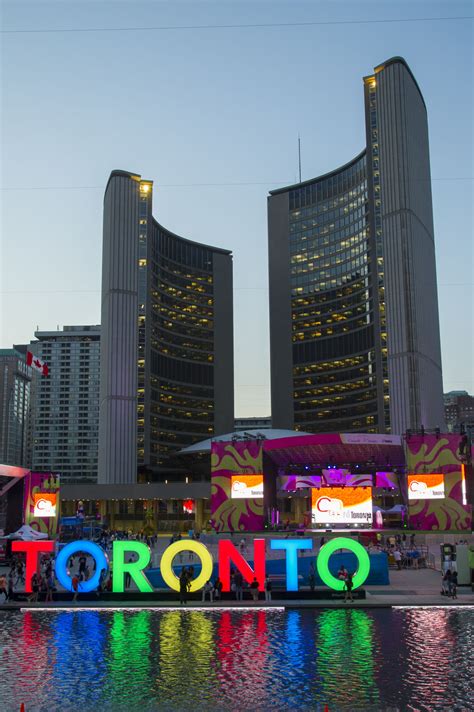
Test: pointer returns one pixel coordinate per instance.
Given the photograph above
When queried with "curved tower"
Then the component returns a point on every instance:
(354, 324)
(167, 346)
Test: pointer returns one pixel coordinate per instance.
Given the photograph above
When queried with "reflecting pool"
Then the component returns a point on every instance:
(350, 659)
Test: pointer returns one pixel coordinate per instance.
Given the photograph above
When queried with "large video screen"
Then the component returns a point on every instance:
(44, 504)
(341, 505)
(426, 486)
(246, 486)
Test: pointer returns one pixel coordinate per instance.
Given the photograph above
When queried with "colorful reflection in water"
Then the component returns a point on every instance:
(351, 659)
(347, 651)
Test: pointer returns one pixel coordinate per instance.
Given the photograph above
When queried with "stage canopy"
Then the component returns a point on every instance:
(381, 451)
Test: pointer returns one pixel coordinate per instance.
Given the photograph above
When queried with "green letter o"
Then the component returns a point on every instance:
(322, 562)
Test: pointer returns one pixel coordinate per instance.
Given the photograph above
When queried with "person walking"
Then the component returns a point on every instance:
(254, 589)
(348, 587)
(267, 584)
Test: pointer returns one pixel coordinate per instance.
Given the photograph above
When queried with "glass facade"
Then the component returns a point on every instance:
(175, 341)
(181, 345)
(15, 386)
(332, 304)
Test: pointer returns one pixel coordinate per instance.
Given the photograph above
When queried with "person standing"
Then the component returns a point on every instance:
(254, 589)
(446, 583)
(3, 587)
(128, 578)
(239, 582)
(82, 565)
(49, 586)
(183, 586)
(75, 586)
(218, 589)
(35, 586)
(348, 587)
(208, 588)
(398, 558)
(268, 588)
(312, 577)
(20, 573)
(11, 585)
(342, 573)
(454, 585)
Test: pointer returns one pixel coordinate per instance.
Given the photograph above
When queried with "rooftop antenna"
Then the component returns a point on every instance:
(299, 155)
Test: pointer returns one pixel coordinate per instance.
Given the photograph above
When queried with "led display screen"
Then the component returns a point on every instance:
(341, 505)
(246, 486)
(426, 486)
(44, 504)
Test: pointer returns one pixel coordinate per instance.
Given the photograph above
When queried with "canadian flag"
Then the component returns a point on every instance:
(37, 363)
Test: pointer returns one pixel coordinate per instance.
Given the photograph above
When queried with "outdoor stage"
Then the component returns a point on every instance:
(347, 481)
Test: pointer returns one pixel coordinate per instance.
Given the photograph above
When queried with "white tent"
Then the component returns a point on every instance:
(26, 533)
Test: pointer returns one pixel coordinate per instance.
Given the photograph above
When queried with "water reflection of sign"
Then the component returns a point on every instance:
(426, 486)
(246, 486)
(342, 505)
(44, 504)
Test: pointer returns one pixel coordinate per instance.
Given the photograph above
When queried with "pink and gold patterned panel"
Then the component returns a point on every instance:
(291, 483)
(428, 454)
(235, 458)
(36, 483)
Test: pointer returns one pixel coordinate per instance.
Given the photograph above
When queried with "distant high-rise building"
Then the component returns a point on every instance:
(354, 326)
(252, 423)
(167, 337)
(65, 404)
(15, 383)
(459, 411)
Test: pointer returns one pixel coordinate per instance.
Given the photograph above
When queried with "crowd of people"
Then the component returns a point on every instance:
(403, 550)
(43, 582)
(213, 590)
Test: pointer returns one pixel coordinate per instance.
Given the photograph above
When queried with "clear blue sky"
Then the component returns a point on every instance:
(186, 107)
